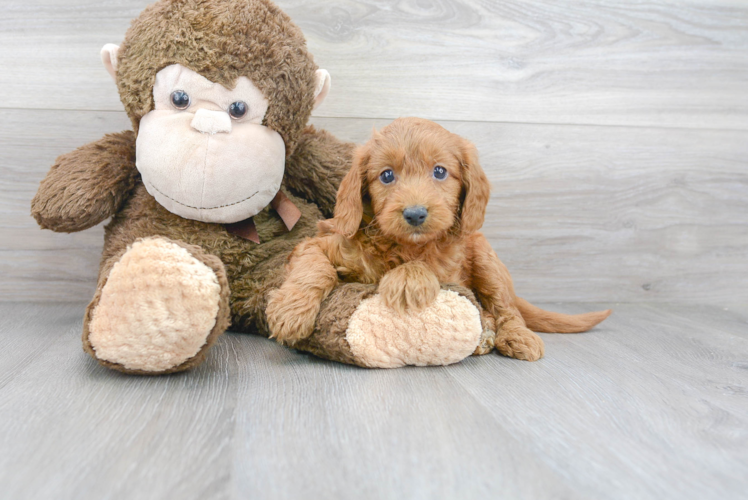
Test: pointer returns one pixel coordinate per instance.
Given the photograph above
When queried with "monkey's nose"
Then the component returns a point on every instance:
(211, 122)
(415, 215)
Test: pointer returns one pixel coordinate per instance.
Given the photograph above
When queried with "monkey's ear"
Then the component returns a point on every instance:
(477, 190)
(349, 206)
(109, 58)
(321, 87)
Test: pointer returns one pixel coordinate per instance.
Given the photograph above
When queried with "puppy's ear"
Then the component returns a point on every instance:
(476, 189)
(349, 207)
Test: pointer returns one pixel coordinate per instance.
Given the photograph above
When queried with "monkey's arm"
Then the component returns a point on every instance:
(87, 185)
(317, 166)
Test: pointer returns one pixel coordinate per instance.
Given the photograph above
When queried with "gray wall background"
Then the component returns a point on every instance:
(615, 133)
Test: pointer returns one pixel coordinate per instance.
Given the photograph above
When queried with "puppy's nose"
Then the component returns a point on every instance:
(415, 215)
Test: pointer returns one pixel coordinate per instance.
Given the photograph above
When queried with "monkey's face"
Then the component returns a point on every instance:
(203, 152)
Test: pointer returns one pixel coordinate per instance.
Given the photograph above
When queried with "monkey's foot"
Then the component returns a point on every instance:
(354, 326)
(161, 307)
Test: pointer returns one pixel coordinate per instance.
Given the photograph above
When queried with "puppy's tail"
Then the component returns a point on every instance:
(539, 320)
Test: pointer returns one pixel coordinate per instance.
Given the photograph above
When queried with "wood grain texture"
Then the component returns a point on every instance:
(578, 213)
(650, 405)
(634, 399)
(539, 61)
(71, 429)
(389, 433)
(36, 264)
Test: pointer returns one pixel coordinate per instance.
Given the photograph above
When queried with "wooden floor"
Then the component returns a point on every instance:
(651, 405)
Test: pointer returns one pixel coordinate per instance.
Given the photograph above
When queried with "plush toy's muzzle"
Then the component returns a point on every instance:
(200, 161)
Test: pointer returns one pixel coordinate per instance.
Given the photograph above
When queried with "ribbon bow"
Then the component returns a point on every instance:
(288, 212)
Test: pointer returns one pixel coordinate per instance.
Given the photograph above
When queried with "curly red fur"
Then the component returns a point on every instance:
(370, 241)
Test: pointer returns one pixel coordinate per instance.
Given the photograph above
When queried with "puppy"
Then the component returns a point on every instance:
(407, 217)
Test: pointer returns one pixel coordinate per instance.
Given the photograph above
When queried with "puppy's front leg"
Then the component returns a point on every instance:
(492, 283)
(409, 286)
(292, 309)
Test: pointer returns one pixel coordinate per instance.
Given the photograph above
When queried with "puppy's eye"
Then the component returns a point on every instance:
(387, 177)
(238, 109)
(180, 99)
(440, 173)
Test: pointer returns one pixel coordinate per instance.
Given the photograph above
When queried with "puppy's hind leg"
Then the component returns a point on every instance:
(515, 340)
(493, 286)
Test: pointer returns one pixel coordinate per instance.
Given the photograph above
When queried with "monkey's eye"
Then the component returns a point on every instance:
(440, 173)
(180, 99)
(387, 177)
(238, 109)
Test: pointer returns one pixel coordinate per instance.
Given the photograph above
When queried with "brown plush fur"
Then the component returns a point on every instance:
(222, 40)
(409, 262)
(310, 175)
(328, 340)
(72, 198)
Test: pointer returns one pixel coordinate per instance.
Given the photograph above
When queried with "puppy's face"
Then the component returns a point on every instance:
(421, 180)
(414, 181)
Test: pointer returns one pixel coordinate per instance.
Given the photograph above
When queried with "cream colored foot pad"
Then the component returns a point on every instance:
(157, 308)
(446, 332)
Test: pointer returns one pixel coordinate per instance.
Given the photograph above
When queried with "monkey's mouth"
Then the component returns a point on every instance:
(201, 208)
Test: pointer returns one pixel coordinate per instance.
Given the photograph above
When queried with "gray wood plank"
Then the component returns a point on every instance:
(71, 429)
(335, 431)
(578, 213)
(18, 348)
(48, 264)
(650, 405)
(539, 61)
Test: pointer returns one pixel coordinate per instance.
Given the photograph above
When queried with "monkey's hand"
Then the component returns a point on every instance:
(87, 185)
(409, 286)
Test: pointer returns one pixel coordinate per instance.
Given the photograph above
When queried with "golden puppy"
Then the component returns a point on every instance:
(407, 217)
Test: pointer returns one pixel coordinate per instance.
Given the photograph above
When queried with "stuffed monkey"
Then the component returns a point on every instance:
(220, 178)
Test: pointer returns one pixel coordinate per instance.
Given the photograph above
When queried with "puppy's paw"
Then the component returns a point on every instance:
(411, 286)
(520, 344)
(290, 316)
